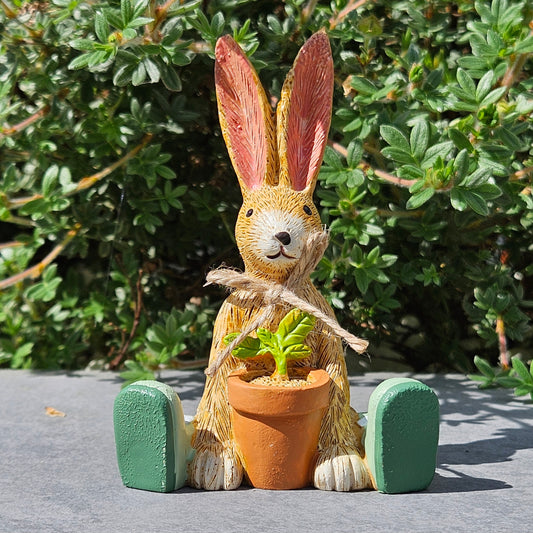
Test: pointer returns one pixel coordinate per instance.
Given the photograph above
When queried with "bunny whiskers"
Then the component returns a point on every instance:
(274, 294)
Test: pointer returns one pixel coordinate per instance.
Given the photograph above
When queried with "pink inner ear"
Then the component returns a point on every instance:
(310, 111)
(238, 96)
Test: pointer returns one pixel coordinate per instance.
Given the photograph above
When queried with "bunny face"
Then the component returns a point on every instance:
(272, 228)
(276, 160)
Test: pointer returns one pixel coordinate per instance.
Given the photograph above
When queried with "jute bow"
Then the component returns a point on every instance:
(275, 293)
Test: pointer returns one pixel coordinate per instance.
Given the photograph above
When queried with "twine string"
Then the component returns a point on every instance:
(275, 294)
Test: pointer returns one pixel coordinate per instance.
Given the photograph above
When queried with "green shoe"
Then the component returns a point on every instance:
(152, 440)
(402, 435)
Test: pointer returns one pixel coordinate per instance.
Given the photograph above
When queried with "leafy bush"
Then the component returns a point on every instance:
(118, 196)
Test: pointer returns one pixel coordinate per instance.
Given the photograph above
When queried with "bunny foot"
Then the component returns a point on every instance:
(215, 467)
(341, 469)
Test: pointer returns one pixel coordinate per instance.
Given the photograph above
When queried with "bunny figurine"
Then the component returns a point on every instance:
(277, 160)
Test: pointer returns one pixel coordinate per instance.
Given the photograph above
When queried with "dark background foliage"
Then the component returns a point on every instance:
(117, 194)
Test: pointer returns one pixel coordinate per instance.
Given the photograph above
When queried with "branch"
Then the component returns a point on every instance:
(13, 244)
(502, 343)
(88, 181)
(379, 173)
(342, 14)
(17, 128)
(136, 321)
(521, 174)
(36, 270)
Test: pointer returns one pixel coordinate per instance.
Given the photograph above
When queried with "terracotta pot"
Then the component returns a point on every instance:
(277, 428)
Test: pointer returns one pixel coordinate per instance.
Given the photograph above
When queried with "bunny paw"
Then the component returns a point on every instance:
(341, 469)
(215, 467)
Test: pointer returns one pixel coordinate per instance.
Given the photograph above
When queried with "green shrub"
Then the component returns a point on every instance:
(117, 194)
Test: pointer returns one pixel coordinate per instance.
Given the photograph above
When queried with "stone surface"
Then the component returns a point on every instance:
(60, 474)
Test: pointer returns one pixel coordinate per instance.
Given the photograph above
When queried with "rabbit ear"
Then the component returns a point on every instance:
(246, 117)
(304, 114)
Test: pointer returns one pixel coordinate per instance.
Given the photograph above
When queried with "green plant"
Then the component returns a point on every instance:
(117, 193)
(286, 344)
(516, 377)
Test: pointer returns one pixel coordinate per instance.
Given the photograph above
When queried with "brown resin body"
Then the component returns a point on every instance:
(277, 164)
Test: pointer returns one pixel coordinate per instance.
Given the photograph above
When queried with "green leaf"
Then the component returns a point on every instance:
(419, 139)
(101, 26)
(420, 198)
(460, 140)
(126, 12)
(139, 74)
(363, 86)
(267, 338)
(395, 138)
(476, 202)
(171, 79)
(82, 44)
(50, 180)
(484, 367)
(247, 348)
(355, 153)
(399, 155)
(520, 368)
(493, 96)
(508, 382)
(441, 150)
(484, 85)
(152, 69)
(466, 82)
(294, 328)
(522, 390)
(80, 61)
(477, 377)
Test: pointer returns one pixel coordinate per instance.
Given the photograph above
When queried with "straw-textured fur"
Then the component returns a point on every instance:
(277, 173)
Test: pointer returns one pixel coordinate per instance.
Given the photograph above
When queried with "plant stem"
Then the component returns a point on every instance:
(514, 70)
(341, 15)
(89, 181)
(17, 128)
(123, 352)
(502, 343)
(36, 270)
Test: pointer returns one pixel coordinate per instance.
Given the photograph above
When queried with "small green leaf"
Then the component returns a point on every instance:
(460, 140)
(247, 348)
(522, 390)
(363, 86)
(395, 138)
(126, 11)
(294, 328)
(419, 139)
(101, 26)
(80, 61)
(484, 85)
(466, 82)
(476, 202)
(520, 368)
(171, 79)
(484, 367)
(508, 382)
(50, 179)
(420, 198)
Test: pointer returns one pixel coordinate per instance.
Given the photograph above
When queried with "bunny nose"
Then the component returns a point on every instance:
(283, 237)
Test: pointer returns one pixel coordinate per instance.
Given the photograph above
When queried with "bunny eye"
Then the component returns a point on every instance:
(250, 212)
(307, 210)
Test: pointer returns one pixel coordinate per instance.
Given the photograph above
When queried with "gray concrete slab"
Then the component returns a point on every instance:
(59, 475)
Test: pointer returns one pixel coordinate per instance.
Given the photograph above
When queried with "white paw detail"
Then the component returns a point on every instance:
(215, 468)
(341, 470)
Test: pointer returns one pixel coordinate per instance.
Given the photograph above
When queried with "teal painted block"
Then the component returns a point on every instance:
(152, 440)
(402, 435)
